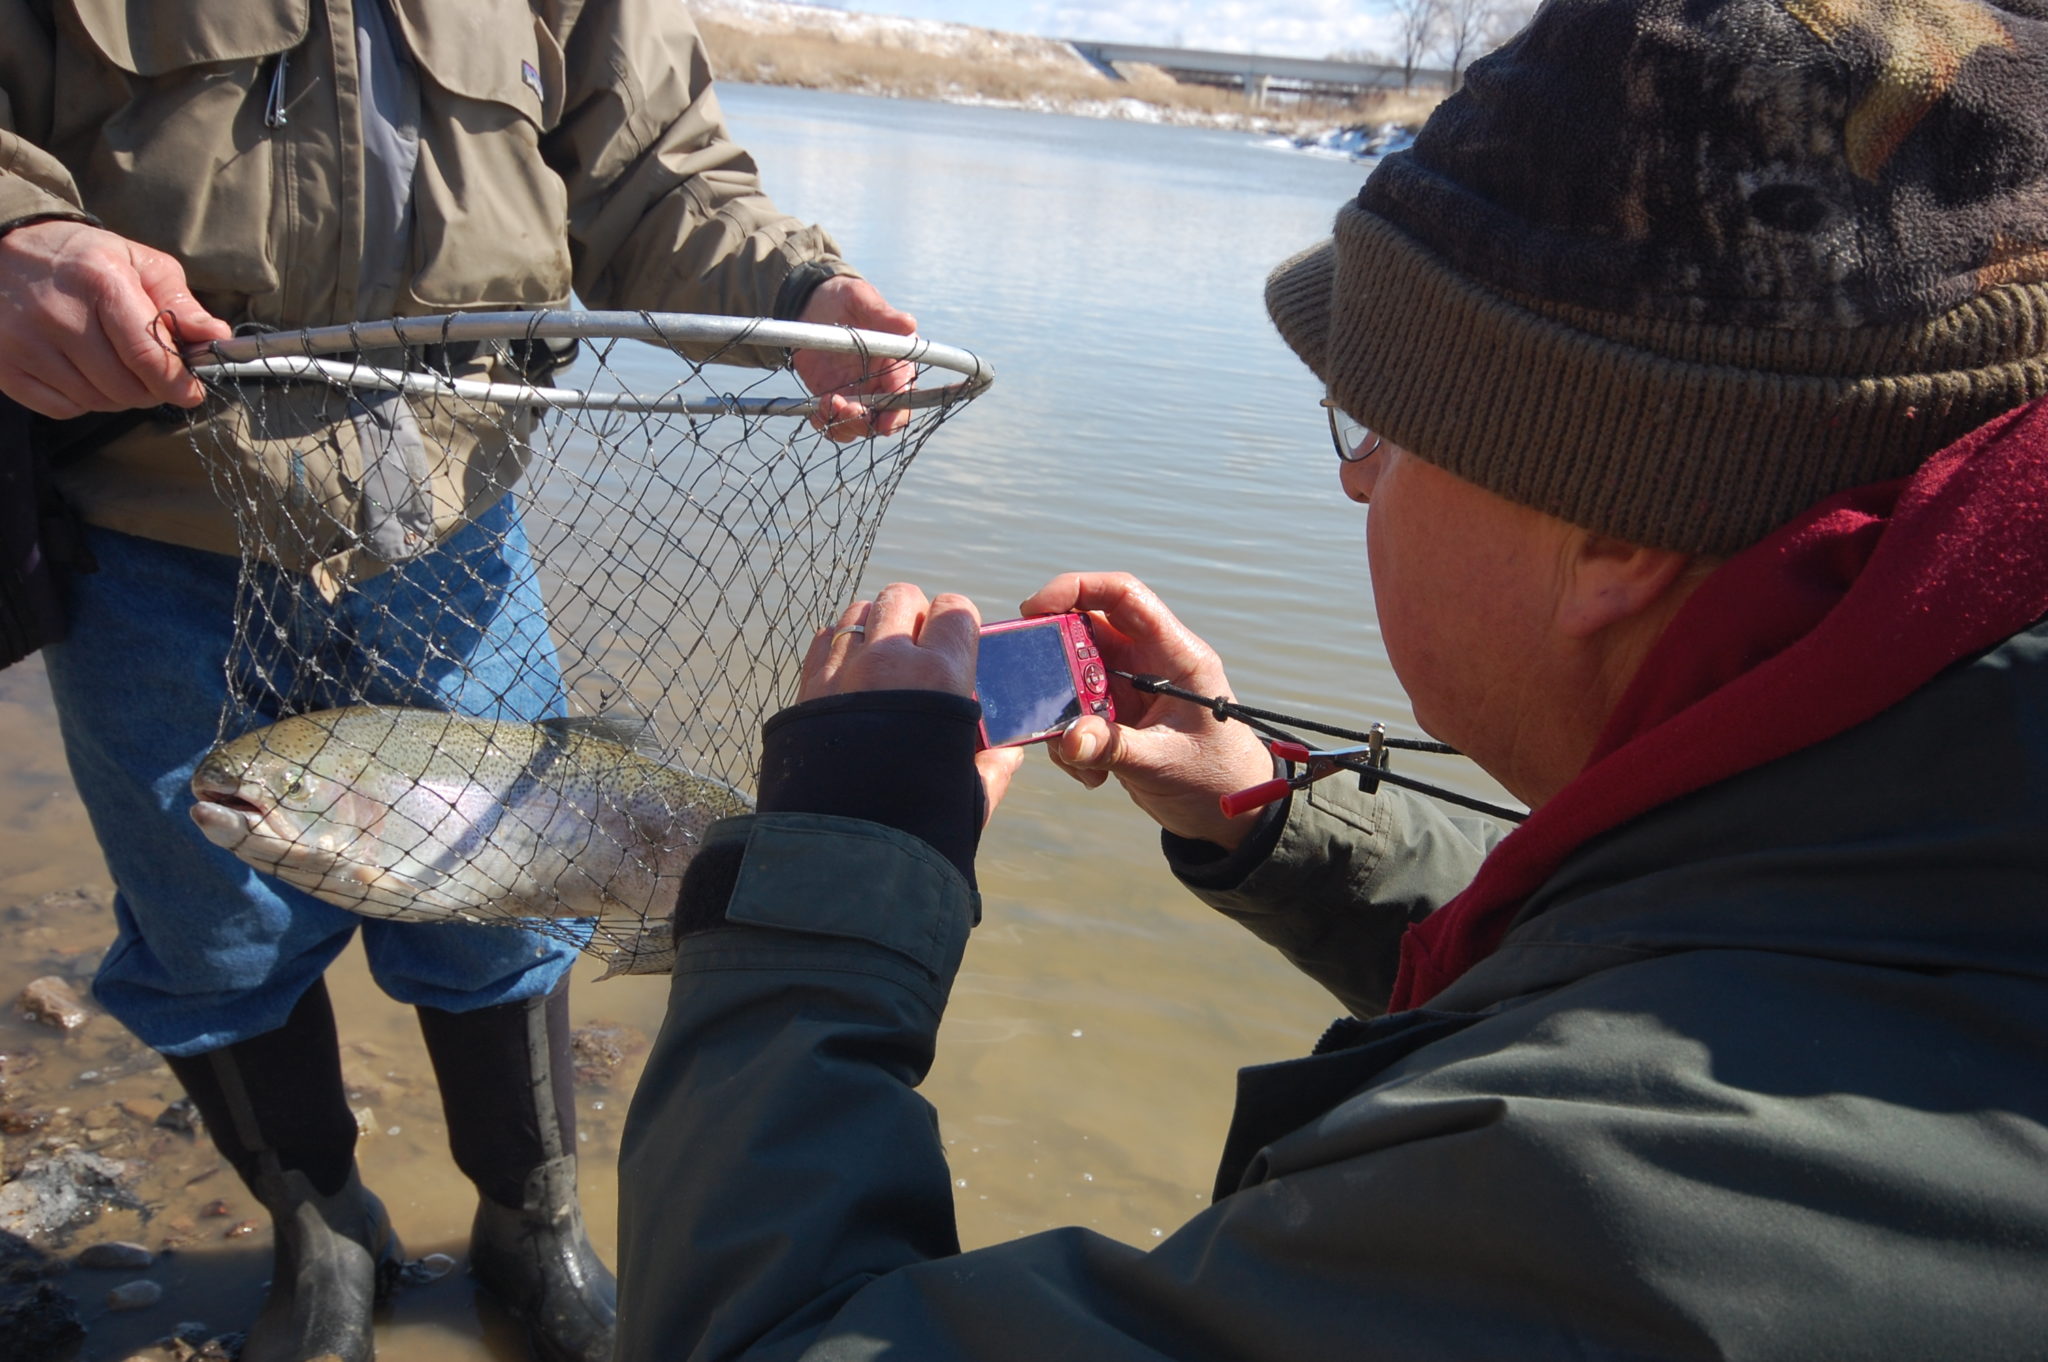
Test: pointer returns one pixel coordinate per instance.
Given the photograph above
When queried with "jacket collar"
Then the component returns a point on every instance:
(1827, 624)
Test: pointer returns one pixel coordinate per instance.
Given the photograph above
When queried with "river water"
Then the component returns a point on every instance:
(1145, 418)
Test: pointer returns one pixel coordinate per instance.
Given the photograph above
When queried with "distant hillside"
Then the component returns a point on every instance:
(769, 42)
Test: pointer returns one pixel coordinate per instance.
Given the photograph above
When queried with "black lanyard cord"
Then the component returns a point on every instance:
(1268, 722)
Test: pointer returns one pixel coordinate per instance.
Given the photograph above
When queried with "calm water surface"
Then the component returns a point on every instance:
(1146, 418)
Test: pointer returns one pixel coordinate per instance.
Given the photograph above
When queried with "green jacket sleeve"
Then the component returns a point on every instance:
(778, 1155)
(666, 211)
(1455, 1187)
(1346, 877)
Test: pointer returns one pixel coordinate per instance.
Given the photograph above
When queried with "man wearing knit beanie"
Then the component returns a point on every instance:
(1703, 348)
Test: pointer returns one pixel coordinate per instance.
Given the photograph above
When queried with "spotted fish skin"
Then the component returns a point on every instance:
(426, 816)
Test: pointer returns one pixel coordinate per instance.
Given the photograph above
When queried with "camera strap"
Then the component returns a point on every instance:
(1369, 759)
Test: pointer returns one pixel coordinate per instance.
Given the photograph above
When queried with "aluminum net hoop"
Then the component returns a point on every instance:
(303, 355)
(454, 538)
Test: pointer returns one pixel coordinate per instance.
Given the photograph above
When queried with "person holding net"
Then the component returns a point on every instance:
(170, 175)
(1703, 350)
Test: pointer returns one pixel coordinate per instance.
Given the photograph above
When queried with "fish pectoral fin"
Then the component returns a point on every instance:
(375, 879)
(378, 891)
(652, 950)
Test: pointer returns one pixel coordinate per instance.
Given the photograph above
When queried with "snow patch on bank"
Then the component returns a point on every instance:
(1064, 69)
(933, 37)
(1363, 143)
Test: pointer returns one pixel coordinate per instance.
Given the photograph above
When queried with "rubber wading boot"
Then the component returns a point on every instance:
(507, 1089)
(336, 1258)
(276, 1109)
(536, 1260)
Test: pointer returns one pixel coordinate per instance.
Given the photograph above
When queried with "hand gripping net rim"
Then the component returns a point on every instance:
(300, 355)
(679, 532)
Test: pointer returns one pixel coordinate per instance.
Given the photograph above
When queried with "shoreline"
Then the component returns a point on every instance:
(764, 42)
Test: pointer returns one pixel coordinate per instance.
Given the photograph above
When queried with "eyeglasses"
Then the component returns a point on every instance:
(1355, 443)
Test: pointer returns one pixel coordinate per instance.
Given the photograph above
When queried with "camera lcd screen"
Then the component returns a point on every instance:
(1025, 684)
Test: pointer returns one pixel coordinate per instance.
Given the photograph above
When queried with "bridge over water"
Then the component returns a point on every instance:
(1256, 75)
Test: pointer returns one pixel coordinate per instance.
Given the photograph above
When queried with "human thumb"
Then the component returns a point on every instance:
(1089, 744)
(873, 312)
(163, 279)
(1095, 744)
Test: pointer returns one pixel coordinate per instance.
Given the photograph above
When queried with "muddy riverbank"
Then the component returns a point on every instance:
(99, 1149)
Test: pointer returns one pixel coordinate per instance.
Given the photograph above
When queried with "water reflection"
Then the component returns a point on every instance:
(1146, 418)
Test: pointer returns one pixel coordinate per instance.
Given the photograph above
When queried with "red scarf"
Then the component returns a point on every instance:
(1826, 624)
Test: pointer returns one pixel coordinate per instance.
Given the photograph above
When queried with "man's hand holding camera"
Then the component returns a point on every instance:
(1175, 760)
(903, 640)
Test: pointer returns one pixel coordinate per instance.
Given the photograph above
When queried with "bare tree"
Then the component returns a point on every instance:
(1509, 18)
(1466, 25)
(1419, 24)
(1469, 29)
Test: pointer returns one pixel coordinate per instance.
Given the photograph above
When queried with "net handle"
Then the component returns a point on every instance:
(298, 355)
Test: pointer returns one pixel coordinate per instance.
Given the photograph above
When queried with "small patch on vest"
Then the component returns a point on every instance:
(530, 73)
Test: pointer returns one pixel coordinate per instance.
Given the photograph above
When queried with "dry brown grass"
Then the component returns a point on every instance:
(1396, 106)
(820, 63)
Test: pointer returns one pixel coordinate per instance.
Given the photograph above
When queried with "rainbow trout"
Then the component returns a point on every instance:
(432, 817)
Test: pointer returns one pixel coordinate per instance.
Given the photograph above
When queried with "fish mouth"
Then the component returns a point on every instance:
(224, 816)
(229, 800)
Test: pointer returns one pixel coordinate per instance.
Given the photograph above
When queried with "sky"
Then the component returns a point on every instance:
(1307, 28)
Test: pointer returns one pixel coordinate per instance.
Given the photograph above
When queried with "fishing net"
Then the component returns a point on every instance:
(518, 589)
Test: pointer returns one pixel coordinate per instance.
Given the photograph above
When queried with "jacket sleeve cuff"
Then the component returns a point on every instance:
(1305, 841)
(34, 187)
(834, 893)
(801, 282)
(1207, 866)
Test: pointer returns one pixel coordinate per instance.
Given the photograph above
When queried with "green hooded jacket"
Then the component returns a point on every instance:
(1756, 1075)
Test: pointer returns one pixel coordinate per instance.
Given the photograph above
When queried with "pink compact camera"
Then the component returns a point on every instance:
(1036, 676)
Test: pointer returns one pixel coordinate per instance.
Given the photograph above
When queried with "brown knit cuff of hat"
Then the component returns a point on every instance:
(1671, 434)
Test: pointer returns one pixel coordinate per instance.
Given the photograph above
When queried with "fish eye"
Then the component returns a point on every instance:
(296, 785)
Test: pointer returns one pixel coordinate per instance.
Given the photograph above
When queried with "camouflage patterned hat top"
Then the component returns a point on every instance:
(1675, 270)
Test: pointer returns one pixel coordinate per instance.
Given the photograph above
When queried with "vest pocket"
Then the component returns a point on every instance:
(154, 99)
(490, 225)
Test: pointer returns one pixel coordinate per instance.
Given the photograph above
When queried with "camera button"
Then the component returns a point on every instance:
(1091, 676)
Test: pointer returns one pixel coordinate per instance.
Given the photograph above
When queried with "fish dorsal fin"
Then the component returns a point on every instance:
(630, 731)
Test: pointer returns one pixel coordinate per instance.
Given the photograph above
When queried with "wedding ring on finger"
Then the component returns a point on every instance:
(843, 630)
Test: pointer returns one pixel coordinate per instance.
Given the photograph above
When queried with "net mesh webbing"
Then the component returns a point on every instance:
(509, 618)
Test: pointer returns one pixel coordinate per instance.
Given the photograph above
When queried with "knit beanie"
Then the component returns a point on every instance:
(1675, 270)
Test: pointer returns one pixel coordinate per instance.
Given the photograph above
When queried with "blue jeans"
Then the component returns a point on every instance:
(208, 951)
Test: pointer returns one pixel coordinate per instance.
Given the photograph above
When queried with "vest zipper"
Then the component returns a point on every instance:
(273, 107)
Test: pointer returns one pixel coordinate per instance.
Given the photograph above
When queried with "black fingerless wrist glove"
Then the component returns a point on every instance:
(902, 758)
